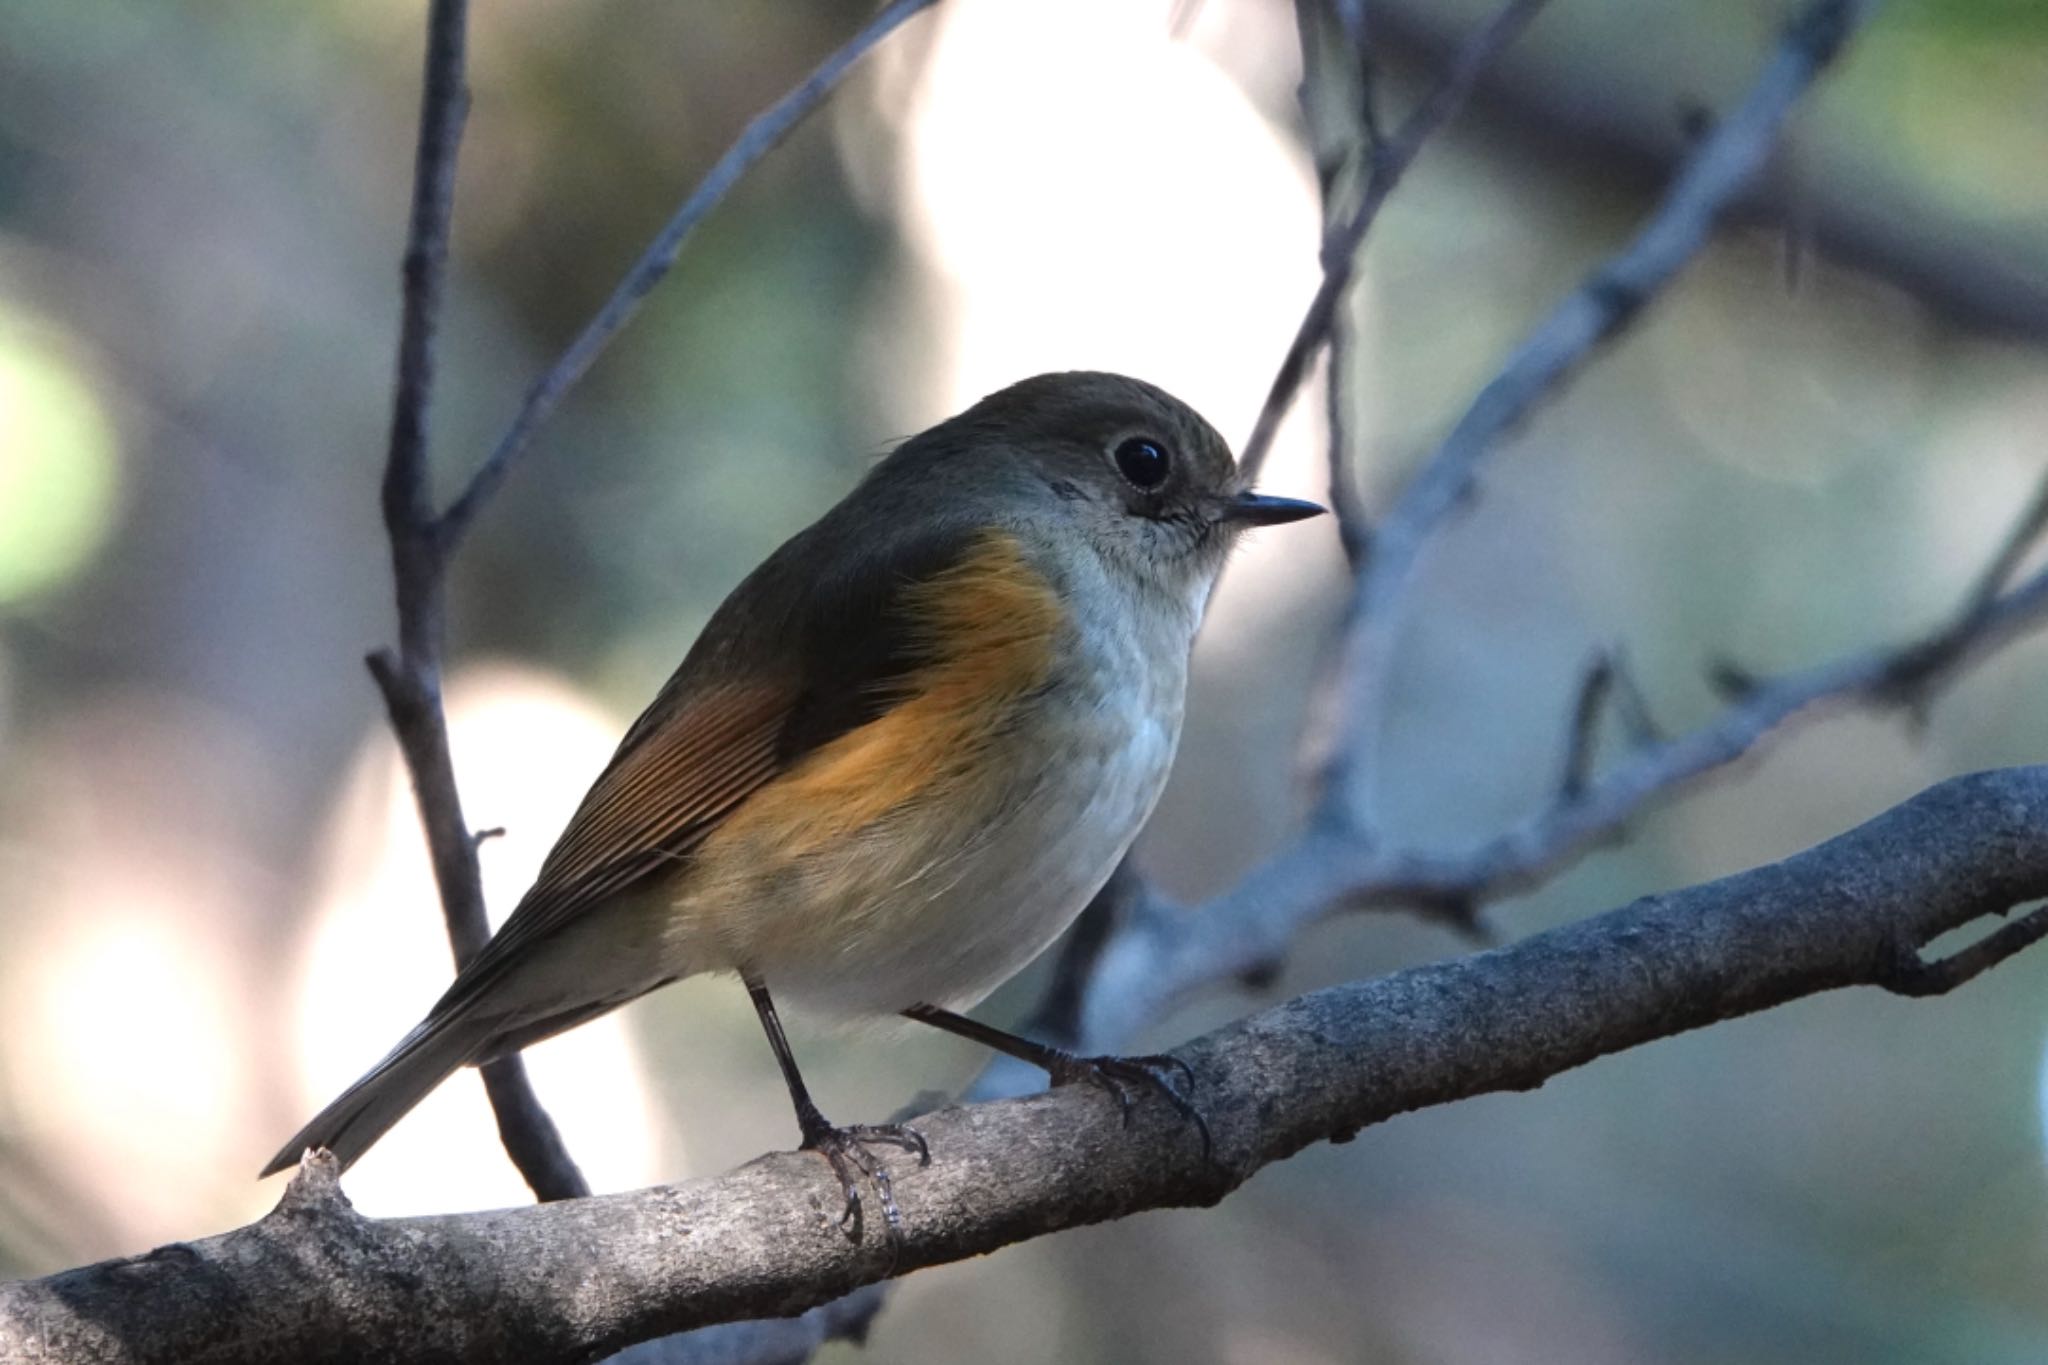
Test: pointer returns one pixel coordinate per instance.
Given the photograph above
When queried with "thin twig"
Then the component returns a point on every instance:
(410, 677)
(407, 492)
(1606, 685)
(2019, 543)
(1582, 731)
(1343, 134)
(1340, 247)
(1347, 504)
(422, 543)
(759, 138)
(1911, 974)
(1354, 17)
(1631, 704)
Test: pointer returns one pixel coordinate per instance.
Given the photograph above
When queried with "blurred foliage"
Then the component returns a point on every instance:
(57, 466)
(2017, 20)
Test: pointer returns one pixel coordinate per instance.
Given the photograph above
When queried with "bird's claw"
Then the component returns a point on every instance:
(1118, 1074)
(846, 1149)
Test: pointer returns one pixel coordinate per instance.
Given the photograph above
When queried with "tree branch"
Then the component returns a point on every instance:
(1610, 298)
(1390, 161)
(1166, 953)
(1118, 981)
(423, 542)
(410, 677)
(314, 1282)
(1338, 110)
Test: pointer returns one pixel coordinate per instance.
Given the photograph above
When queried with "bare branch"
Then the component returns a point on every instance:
(2019, 542)
(759, 138)
(1630, 704)
(1912, 975)
(1606, 685)
(316, 1282)
(444, 104)
(1582, 731)
(1337, 108)
(1340, 246)
(1607, 302)
(1169, 953)
(410, 677)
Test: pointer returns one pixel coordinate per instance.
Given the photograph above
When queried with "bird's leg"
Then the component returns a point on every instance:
(842, 1147)
(1114, 1074)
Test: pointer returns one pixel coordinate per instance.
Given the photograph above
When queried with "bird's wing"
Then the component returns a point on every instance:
(781, 671)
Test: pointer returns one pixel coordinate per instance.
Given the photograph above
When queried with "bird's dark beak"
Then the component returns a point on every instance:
(1262, 509)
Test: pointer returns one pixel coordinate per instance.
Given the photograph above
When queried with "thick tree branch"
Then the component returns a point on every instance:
(568, 1281)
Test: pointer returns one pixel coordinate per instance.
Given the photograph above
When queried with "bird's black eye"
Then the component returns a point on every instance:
(1143, 462)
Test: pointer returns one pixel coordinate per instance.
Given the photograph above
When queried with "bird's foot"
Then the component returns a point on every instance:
(1118, 1074)
(847, 1151)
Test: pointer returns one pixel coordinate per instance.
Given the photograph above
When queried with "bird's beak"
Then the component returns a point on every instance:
(1262, 509)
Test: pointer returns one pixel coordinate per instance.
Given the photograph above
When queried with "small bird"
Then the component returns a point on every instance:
(900, 759)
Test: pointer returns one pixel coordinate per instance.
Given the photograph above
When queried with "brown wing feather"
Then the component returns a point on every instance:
(666, 789)
(712, 739)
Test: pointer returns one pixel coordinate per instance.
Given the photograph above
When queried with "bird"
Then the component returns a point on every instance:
(898, 761)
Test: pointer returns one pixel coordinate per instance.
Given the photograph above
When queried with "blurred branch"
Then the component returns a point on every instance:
(1608, 685)
(1162, 952)
(1339, 110)
(1611, 297)
(1577, 121)
(313, 1281)
(410, 678)
(765, 1341)
(2024, 537)
(1389, 162)
(759, 138)
(1582, 732)
(1167, 953)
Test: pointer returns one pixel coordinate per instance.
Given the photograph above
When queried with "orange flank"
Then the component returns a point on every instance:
(990, 624)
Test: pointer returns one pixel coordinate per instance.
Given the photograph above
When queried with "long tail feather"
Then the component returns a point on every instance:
(362, 1114)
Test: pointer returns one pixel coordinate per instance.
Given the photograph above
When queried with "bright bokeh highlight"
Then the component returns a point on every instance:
(527, 747)
(58, 463)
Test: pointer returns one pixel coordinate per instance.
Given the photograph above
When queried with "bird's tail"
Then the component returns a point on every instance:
(422, 1060)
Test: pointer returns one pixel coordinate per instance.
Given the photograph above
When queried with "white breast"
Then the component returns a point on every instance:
(1003, 875)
